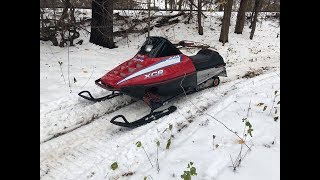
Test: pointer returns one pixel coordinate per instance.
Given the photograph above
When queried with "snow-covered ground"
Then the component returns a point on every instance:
(78, 142)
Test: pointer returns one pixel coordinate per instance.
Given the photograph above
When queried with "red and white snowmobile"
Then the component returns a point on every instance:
(158, 73)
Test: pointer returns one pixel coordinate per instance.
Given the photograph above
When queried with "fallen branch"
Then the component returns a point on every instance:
(164, 21)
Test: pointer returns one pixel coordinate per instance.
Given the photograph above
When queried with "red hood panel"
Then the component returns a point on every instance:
(144, 70)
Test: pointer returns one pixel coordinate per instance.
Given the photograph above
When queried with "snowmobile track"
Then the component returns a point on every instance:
(93, 118)
(74, 115)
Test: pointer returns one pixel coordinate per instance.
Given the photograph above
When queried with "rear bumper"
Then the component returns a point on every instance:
(104, 86)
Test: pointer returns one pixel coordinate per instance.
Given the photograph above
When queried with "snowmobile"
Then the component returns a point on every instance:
(159, 73)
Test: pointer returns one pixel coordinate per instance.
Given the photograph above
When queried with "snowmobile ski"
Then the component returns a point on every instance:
(91, 98)
(156, 105)
(144, 120)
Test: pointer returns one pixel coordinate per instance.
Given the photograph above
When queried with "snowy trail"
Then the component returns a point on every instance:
(72, 113)
(92, 148)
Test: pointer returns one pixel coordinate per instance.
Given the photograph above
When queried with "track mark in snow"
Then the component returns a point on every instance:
(77, 124)
(98, 143)
(72, 116)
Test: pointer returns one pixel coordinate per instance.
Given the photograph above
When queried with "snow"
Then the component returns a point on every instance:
(78, 142)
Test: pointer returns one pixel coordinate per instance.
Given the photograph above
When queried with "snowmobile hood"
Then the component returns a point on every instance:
(117, 75)
(157, 60)
(142, 69)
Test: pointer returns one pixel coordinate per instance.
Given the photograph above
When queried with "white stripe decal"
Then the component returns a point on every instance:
(164, 63)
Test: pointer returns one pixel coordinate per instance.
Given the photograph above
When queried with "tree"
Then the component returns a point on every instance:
(241, 17)
(226, 22)
(63, 28)
(165, 4)
(251, 8)
(102, 23)
(221, 7)
(268, 5)
(257, 8)
(180, 4)
(149, 18)
(220, 4)
(172, 4)
(191, 9)
(200, 28)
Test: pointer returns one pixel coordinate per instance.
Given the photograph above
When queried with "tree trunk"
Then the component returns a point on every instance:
(172, 4)
(241, 17)
(257, 8)
(63, 21)
(252, 4)
(190, 14)
(226, 22)
(41, 18)
(268, 5)
(200, 28)
(180, 5)
(102, 23)
(221, 7)
(165, 4)
(149, 18)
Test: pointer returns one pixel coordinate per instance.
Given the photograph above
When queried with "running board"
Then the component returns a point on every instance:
(207, 74)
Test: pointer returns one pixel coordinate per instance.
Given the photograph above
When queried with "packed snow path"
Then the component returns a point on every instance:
(66, 114)
(90, 150)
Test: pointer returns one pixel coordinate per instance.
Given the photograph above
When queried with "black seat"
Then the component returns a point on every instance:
(206, 58)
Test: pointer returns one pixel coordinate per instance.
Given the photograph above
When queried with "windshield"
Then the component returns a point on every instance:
(158, 47)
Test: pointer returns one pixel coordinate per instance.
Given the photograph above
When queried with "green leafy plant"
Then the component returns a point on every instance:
(191, 171)
(147, 177)
(139, 144)
(114, 166)
(248, 125)
(168, 143)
